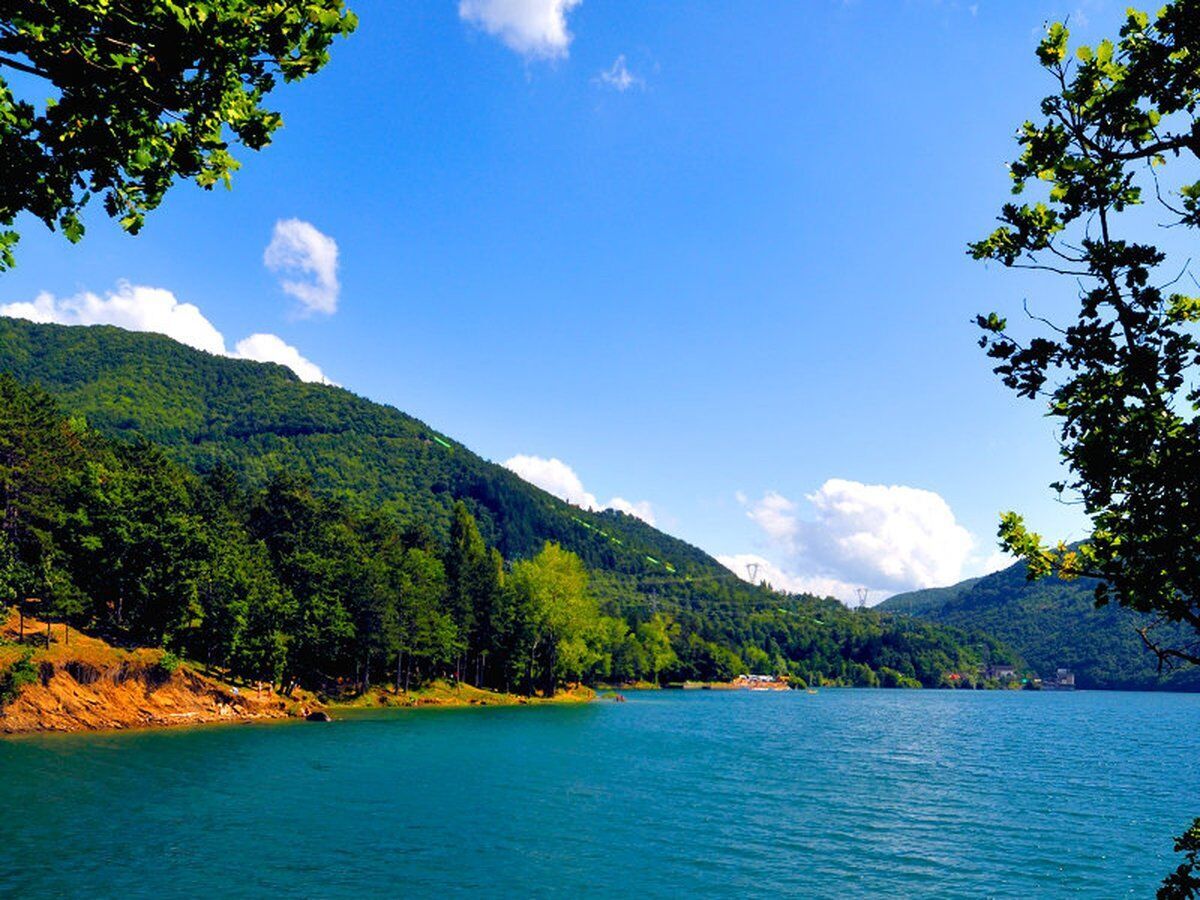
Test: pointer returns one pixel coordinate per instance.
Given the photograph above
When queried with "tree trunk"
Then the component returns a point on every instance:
(551, 680)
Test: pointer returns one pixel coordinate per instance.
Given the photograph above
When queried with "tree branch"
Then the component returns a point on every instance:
(23, 67)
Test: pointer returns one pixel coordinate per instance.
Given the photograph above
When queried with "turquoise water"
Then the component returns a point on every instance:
(847, 793)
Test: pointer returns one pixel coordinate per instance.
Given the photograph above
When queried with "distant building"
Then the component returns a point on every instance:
(1001, 673)
(1062, 680)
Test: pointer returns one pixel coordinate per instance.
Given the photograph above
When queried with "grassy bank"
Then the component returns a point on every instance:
(443, 693)
(55, 679)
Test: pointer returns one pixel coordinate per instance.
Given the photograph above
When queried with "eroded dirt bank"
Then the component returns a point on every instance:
(80, 683)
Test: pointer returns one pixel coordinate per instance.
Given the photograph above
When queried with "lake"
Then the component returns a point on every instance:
(897, 793)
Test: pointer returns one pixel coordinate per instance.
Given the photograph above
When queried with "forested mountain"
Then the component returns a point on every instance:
(259, 418)
(278, 529)
(1051, 623)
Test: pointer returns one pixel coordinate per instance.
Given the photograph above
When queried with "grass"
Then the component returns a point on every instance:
(443, 693)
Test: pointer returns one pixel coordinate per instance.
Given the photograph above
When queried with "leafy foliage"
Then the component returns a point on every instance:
(723, 626)
(142, 94)
(1184, 882)
(1118, 377)
(19, 674)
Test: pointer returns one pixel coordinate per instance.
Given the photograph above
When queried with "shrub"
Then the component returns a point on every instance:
(21, 673)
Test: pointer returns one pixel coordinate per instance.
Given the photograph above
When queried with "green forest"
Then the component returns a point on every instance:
(296, 533)
(1053, 623)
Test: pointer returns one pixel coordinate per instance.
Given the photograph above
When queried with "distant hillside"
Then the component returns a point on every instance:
(1051, 623)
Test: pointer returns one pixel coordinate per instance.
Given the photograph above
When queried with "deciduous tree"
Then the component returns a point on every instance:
(1119, 371)
(120, 99)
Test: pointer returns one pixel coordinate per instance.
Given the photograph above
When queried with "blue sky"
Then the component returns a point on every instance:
(725, 283)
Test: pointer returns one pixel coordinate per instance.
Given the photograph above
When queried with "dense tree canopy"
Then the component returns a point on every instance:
(1053, 623)
(119, 99)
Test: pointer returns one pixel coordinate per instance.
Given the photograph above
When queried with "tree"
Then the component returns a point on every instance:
(144, 93)
(1184, 882)
(1119, 376)
(553, 603)
(139, 542)
(473, 584)
(39, 453)
(655, 637)
(308, 543)
(428, 637)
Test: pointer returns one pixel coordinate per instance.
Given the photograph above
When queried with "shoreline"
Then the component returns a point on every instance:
(70, 682)
(443, 695)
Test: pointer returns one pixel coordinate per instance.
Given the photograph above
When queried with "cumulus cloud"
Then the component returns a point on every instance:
(885, 538)
(141, 308)
(272, 348)
(642, 509)
(306, 262)
(533, 28)
(555, 477)
(891, 535)
(776, 516)
(618, 77)
(994, 562)
(763, 570)
(132, 307)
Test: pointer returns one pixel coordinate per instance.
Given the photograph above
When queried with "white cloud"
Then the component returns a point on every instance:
(994, 562)
(618, 77)
(306, 261)
(776, 516)
(555, 477)
(533, 28)
(140, 308)
(783, 580)
(642, 509)
(272, 348)
(132, 307)
(884, 538)
(887, 535)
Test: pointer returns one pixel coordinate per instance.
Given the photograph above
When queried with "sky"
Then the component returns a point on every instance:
(703, 262)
